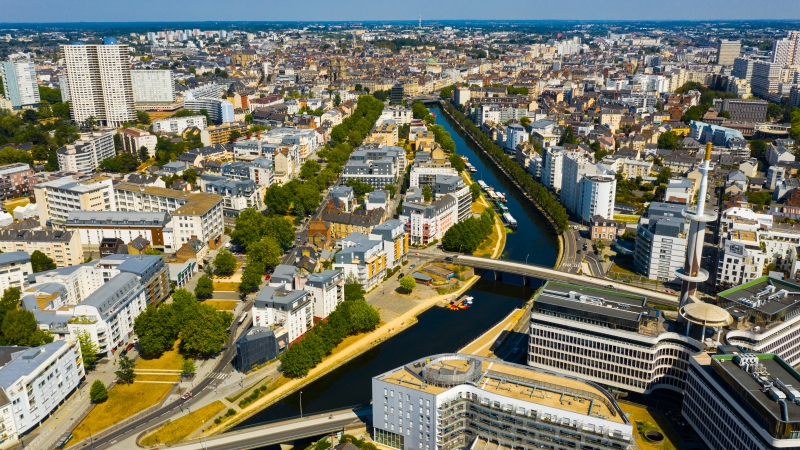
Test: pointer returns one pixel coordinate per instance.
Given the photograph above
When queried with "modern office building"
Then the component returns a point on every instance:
(738, 400)
(728, 51)
(56, 199)
(613, 339)
(176, 125)
(743, 110)
(258, 346)
(99, 80)
(86, 154)
(20, 84)
(35, 382)
(452, 401)
(153, 86)
(661, 240)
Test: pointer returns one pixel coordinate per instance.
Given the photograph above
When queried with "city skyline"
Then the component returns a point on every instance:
(40, 11)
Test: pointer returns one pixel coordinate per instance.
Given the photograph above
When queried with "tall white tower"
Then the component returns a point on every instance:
(420, 20)
(692, 273)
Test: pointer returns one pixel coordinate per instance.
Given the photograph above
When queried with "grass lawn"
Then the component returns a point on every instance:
(224, 305)
(226, 286)
(628, 218)
(624, 266)
(487, 246)
(643, 420)
(477, 207)
(148, 377)
(179, 429)
(170, 360)
(124, 400)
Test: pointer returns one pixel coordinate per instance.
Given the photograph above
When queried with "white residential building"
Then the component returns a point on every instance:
(464, 401)
(326, 290)
(86, 154)
(92, 227)
(395, 241)
(19, 83)
(99, 80)
(176, 125)
(289, 309)
(63, 247)
(553, 168)
(516, 134)
(361, 257)
(777, 153)
(428, 222)
(425, 174)
(133, 139)
(57, 198)
(661, 241)
(153, 86)
(597, 197)
(35, 382)
(14, 270)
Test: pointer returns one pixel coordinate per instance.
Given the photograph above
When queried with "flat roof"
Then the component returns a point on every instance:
(755, 295)
(753, 391)
(524, 383)
(600, 301)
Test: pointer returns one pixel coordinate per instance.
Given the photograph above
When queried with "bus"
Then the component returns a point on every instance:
(244, 317)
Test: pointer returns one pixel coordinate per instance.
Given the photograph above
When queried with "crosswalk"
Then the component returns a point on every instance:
(218, 375)
(570, 265)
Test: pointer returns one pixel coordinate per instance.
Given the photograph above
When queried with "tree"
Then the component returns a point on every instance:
(89, 349)
(206, 333)
(98, 392)
(664, 175)
(122, 163)
(600, 246)
(153, 252)
(9, 302)
(188, 368)
(144, 154)
(457, 163)
(225, 262)
(204, 288)
(309, 169)
(156, 329)
(758, 147)
(265, 253)
(235, 134)
(126, 372)
(248, 118)
(694, 113)
(724, 113)
(392, 189)
(668, 140)
(353, 289)
(568, 137)
(408, 283)
(142, 117)
(337, 100)
(427, 193)
(20, 328)
(475, 190)
(360, 188)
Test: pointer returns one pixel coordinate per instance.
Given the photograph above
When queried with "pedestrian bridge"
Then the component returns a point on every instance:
(283, 431)
(499, 266)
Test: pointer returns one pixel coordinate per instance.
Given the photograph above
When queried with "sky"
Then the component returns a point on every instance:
(42, 11)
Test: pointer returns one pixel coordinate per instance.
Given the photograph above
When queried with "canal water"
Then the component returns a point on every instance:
(439, 330)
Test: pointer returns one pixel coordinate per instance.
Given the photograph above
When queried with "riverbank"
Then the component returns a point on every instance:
(341, 356)
(539, 208)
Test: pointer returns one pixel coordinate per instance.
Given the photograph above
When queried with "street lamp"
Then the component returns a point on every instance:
(202, 434)
(91, 439)
(526, 258)
(301, 404)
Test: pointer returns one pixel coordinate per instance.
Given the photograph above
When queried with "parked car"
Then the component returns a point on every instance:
(412, 266)
(400, 276)
(449, 259)
(130, 346)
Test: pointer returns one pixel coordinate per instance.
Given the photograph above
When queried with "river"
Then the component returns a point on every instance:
(438, 330)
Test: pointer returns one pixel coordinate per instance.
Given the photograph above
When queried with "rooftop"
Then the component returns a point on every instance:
(438, 374)
(766, 295)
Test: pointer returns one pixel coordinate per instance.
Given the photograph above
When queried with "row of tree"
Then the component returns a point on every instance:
(540, 194)
(466, 236)
(353, 316)
(263, 239)
(202, 330)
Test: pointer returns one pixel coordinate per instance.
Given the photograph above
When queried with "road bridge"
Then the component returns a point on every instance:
(499, 266)
(284, 431)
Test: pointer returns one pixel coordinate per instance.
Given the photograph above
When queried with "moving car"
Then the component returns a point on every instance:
(186, 396)
(449, 259)
(62, 442)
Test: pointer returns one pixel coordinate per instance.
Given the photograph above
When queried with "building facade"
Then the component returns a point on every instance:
(20, 84)
(153, 86)
(86, 154)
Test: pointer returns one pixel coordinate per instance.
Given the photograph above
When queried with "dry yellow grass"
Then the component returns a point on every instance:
(224, 305)
(170, 360)
(487, 247)
(124, 400)
(179, 429)
(10, 205)
(640, 415)
(152, 377)
(226, 286)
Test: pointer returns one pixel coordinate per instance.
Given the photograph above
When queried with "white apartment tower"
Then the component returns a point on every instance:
(19, 83)
(786, 51)
(153, 86)
(99, 80)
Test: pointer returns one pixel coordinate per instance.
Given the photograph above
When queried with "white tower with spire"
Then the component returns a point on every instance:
(692, 273)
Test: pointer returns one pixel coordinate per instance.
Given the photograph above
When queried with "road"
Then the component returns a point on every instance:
(199, 391)
(280, 432)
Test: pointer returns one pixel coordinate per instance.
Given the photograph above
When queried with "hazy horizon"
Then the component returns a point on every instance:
(144, 11)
